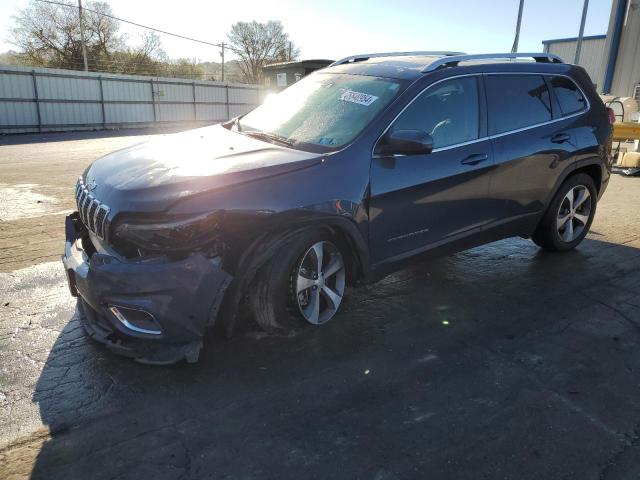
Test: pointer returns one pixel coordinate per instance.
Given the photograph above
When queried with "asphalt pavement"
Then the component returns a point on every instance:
(502, 362)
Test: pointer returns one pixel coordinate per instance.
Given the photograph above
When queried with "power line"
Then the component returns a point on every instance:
(221, 45)
(126, 65)
(128, 71)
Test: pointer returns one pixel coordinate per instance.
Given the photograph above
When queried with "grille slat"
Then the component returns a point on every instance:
(81, 200)
(94, 215)
(91, 215)
(85, 208)
(83, 196)
(100, 218)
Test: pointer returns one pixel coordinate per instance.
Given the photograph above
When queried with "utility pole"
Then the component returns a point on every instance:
(222, 55)
(581, 34)
(84, 46)
(514, 49)
(289, 51)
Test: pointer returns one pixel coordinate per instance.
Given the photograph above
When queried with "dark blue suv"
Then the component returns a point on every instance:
(347, 175)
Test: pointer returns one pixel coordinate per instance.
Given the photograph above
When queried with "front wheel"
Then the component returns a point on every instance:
(304, 283)
(570, 214)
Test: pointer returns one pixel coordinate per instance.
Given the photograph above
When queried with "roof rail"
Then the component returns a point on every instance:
(367, 56)
(452, 61)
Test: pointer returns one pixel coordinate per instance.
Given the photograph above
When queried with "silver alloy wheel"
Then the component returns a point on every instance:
(319, 282)
(574, 213)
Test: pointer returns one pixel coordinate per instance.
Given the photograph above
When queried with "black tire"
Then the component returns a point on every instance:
(547, 234)
(273, 300)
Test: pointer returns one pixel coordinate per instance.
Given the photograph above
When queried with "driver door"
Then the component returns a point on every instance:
(424, 200)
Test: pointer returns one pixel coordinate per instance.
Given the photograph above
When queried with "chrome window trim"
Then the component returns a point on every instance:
(518, 130)
(436, 150)
(418, 95)
(487, 137)
(462, 144)
(586, 99)
(548, 122)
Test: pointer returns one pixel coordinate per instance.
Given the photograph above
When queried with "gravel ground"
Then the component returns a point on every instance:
(500, 362)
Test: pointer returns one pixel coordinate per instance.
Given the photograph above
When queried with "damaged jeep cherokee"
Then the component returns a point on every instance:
(344, 177)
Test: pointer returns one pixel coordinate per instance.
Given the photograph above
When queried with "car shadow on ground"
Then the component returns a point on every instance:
(502, 361)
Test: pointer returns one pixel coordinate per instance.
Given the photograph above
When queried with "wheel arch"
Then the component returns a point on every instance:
(548, 234)
(357, 248)
(591, 166)
(594, 170)
(261, 249)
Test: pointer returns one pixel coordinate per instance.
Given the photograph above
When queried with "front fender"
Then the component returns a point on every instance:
(246, 259)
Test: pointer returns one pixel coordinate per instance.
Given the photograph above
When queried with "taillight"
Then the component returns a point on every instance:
(612, 115)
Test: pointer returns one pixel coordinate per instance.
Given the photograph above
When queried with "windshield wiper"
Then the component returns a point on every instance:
(270, 137)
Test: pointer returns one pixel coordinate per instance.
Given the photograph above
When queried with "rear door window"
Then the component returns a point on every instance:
(568, 94)
(448, 111)
(517, 101)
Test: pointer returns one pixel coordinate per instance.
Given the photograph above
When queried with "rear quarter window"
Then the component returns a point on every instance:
(569, 95)
(517, 101)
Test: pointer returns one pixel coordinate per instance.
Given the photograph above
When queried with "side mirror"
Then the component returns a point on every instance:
(405, 142)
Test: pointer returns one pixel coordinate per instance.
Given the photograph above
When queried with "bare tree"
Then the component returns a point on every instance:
(149, 58)
(49, 35)
(258, 44)
(143, 59)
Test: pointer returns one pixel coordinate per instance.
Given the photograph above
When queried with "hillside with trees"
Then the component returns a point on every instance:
(49, 35)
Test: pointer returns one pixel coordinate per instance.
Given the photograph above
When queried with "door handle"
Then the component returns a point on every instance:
(475, 159)
(560, 138)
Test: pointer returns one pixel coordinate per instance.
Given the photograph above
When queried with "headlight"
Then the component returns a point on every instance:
(172, 234)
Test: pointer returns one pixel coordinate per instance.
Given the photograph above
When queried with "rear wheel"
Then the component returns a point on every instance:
(569, 217)
(304, 283)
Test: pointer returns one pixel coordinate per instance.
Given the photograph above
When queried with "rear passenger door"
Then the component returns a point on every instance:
(531, 145)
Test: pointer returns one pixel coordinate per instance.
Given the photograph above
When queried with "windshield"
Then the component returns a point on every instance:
(325, 110)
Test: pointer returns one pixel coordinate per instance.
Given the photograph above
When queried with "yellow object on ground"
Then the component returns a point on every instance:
(626, 131)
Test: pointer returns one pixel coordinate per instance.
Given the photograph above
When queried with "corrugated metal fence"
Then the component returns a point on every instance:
(591, 58)
(42, 100)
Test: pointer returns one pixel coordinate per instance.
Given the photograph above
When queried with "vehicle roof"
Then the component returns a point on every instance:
(410, 67)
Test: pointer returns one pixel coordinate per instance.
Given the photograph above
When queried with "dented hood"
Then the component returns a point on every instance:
(175, 166)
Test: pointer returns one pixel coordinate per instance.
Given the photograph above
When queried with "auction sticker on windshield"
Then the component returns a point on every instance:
(358, 97)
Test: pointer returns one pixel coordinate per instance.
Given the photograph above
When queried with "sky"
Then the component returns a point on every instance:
(337, 28)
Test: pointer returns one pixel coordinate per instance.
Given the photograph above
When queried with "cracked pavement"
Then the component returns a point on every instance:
(500, 362)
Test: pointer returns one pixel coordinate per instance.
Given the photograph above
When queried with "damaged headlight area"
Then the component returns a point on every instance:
(170, 235)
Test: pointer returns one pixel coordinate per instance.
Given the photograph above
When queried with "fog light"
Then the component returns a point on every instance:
(136, 320)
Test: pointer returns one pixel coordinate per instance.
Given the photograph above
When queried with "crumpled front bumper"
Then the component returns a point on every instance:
(180, 298)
